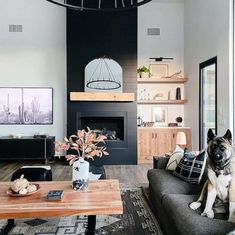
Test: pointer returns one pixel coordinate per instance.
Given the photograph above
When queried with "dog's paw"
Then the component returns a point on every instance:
(195, 205)
(209, 214)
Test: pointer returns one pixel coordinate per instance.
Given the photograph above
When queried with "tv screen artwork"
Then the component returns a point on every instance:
(32, 106)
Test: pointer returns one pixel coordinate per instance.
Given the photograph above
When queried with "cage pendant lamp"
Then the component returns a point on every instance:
(102, 78)
(100, 5)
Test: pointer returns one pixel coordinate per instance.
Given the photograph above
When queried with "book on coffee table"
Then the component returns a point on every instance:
(55, 195)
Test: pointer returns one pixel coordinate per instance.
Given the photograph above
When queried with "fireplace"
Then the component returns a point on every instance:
(109, 123)
(111, 127)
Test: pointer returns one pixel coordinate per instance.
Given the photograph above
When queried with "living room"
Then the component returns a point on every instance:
(51, 53)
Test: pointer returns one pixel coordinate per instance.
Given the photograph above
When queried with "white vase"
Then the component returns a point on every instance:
(145, 75)
(80, 174)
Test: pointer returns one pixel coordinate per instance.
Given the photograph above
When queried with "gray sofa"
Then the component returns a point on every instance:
(170, 197)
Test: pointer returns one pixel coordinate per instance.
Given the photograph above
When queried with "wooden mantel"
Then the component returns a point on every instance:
(102, 96)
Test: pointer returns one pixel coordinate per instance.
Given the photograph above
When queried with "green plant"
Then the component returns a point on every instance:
(143, 69)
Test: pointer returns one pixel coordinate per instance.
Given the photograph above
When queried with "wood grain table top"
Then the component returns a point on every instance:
(102, 197)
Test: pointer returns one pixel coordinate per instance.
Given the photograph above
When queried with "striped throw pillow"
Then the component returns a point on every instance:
(191, 167)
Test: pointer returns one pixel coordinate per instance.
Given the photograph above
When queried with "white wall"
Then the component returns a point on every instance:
(207, 34)
(34, 58)
(169, 17)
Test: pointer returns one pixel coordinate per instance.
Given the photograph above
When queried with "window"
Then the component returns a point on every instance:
(207, 99)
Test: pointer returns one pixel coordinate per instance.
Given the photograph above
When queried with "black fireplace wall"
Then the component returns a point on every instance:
(91, 35)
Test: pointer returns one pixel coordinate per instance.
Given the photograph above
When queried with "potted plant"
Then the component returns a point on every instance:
(143, 72)
(86, 144)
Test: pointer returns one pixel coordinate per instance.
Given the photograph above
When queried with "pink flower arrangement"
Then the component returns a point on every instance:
(87, 144)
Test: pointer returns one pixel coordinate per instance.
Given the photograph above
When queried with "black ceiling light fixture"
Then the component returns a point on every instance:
(161, 58)
(100, 5)
(103, 76)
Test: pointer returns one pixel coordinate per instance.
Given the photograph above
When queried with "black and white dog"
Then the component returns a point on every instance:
(221, 175)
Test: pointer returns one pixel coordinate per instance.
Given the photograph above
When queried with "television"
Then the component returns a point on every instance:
(26, 105)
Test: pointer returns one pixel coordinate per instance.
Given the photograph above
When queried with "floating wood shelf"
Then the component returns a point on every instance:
(162, 80)
(92, 96)
(162, 101)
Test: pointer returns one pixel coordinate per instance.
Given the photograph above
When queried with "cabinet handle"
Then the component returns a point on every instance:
(173, 135)
(155, 135)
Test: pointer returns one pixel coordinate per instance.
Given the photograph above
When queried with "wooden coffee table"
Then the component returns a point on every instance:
(102, 198)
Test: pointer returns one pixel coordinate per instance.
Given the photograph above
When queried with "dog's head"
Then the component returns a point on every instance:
(219, 149)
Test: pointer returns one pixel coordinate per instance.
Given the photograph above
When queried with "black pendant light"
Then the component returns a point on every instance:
(99, 5)
(102, 77)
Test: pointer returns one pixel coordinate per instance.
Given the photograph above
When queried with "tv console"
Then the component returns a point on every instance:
(27, 148)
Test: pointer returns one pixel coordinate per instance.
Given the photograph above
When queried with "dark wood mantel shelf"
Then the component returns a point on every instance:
(102, 96)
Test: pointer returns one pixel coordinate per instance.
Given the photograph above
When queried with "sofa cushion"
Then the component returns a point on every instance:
(191, 167)
(184, 220)
(164, 182)
(160, 162)
(175, 158)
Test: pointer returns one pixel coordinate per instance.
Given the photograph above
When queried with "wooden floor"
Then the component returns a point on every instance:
(128, 175)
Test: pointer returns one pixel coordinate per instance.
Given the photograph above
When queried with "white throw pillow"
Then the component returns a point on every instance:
(175, 158)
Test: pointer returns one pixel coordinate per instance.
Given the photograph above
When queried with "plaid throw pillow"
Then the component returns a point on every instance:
(191, 167)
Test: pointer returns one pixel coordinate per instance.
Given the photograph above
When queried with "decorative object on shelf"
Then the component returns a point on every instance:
(175, 75)
(169, 95)
(100, 5)
(158, 70)
(160, 58)
(86, 144)
(143, 72)
(179, 120)
(26, 106)
(143, 95)
(172, 124)
(148, 124)
(181, 139)
(178, 93)
(139, 121)
(159, 96)
(159, 115)
(103, 74)
(148, 96)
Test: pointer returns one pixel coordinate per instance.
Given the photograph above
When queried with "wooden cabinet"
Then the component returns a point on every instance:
(158, 141)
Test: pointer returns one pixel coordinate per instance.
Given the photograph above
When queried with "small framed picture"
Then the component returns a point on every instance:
(159, 115)
(158, 70)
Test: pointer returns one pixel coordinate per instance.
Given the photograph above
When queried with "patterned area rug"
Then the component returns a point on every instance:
(137, 219)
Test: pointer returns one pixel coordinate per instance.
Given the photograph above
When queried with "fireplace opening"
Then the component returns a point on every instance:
(111, 127)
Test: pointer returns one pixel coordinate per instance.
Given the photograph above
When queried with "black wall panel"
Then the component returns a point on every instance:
(91, 35)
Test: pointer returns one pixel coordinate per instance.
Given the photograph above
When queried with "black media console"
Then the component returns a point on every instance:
(27, 148)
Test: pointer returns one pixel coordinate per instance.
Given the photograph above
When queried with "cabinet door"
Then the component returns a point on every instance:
(146, 145)
(188, 137)
(163, 141)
